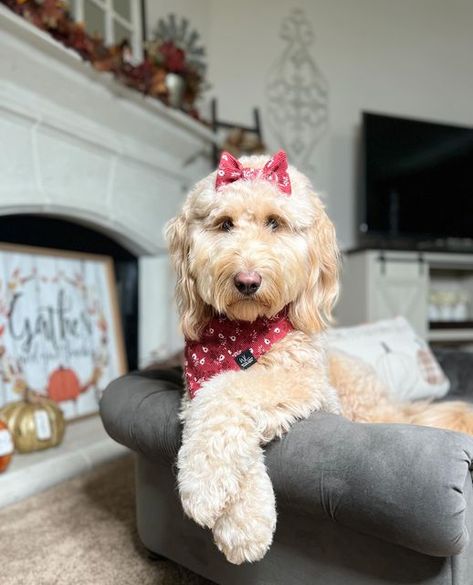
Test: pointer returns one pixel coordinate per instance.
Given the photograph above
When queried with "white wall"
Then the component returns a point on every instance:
(403, 57)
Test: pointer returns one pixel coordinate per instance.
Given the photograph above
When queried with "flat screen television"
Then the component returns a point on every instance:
(417, 182)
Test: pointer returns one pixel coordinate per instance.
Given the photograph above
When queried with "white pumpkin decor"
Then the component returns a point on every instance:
(397, 370)
(400, 358)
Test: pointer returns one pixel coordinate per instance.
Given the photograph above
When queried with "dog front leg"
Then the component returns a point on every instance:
(244, 531)
(220, 445)
(221, 471)
(274, 400)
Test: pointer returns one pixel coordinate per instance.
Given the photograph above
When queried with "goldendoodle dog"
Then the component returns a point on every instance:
(257, 276)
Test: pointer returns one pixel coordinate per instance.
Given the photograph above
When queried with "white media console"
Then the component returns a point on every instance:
(379, 284)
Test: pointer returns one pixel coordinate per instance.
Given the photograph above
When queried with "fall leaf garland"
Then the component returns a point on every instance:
(147, 77)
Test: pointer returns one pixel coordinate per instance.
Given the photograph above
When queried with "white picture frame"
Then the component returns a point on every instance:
(60, 327)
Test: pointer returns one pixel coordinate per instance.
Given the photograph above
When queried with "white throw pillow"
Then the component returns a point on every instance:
(400, 357)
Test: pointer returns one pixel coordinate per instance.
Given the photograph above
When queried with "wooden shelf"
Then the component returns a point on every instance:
(453, 325)
(450, 335)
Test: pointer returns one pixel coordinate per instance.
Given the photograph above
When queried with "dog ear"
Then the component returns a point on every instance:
(192, 310)
(312, 311)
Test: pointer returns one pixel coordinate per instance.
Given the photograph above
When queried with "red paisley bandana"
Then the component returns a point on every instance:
(275, 170)
(231, 345)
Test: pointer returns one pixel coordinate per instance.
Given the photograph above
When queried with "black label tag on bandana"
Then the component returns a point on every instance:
(245, 359)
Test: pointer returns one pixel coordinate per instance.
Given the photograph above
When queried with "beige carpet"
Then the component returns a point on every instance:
(82, 532)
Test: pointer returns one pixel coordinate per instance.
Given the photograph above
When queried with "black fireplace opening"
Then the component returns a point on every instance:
(53, 232)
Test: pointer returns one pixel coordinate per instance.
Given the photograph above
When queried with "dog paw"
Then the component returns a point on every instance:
(244, 538)
(202, 507)
(205, 491)
(244, 532)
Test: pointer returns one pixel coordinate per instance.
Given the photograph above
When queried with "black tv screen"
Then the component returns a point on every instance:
(418, 179)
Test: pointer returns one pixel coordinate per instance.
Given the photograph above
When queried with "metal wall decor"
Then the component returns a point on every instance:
(176, 30)
(297, 93)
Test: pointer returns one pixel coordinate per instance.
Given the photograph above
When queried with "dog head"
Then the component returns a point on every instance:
(247, 250)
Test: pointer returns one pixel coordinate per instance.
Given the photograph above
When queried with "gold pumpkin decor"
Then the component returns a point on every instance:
(6, 446)
(35, 422)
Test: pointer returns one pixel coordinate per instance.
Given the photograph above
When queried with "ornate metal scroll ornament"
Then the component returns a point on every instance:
(297, 93)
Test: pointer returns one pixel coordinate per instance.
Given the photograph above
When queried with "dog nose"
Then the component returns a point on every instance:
(247, 282)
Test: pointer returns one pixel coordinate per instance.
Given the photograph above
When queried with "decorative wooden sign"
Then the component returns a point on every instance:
(60, 331)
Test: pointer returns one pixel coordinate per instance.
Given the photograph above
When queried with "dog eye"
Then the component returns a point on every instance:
(226, 225)
(273, 223)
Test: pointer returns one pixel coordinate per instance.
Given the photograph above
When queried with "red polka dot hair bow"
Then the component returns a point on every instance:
(275, 170)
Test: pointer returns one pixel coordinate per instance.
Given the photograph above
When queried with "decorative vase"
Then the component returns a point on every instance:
(6, 446)
(35, 423)
(176, 87)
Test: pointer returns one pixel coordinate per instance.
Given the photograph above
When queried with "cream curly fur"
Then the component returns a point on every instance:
(222, 479)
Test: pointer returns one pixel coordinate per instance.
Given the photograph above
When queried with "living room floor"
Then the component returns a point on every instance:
(85, 528)
(85, 446)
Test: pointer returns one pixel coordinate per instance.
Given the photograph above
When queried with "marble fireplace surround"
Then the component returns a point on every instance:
(76, 144)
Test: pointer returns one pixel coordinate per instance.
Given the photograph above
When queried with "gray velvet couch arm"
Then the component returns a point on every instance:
(404, 484)
(140, 411)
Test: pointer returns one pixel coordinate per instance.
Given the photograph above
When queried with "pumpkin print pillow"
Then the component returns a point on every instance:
(400, 357)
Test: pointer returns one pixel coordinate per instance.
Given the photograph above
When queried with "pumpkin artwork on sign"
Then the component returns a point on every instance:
(35, 422)
(63, 385)
(397, 370)
(6, 446)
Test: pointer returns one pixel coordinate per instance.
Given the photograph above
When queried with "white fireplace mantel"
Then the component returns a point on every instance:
(76, 143)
